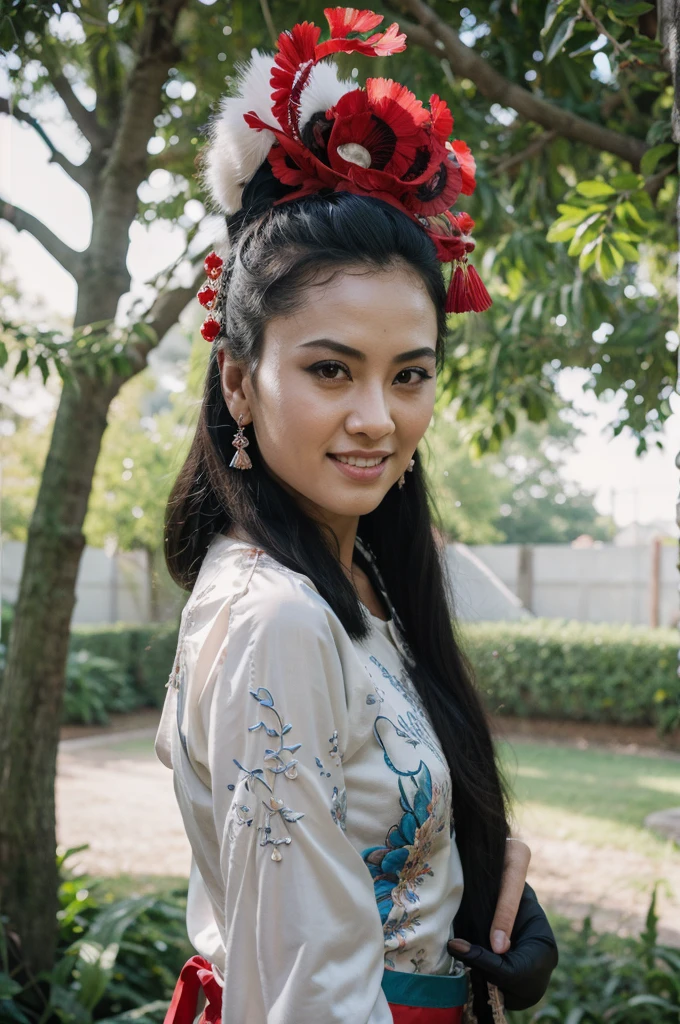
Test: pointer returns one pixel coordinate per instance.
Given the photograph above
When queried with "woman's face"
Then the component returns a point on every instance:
(351, 372)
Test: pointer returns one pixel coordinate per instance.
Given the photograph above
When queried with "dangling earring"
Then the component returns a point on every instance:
(402, 478)
(241, 459)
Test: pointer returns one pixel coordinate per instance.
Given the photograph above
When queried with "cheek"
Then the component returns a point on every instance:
(292, 413)
(413, 417)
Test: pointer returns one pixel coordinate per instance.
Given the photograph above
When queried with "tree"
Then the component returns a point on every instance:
(128, 71)
(142, 453)
(561, 146)
(538, 506)
(514, 496)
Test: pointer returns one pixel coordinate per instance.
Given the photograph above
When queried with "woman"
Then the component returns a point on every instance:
(331, 759)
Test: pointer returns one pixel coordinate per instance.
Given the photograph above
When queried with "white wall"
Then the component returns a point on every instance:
(108, 589)
(605, 584)
(602, 584)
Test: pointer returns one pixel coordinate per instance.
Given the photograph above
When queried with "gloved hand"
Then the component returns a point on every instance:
(523, 973)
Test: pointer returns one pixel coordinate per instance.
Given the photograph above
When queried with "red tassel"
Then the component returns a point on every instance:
(479, 296)
(467, 293)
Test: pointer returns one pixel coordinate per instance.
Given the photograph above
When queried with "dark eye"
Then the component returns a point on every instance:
(328, 370)
(422, 375)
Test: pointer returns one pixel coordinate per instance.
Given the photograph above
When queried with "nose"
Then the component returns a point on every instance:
(370, 412)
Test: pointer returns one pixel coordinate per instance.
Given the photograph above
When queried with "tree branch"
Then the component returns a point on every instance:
(164, 314)
(127, 163)
(85, 119)
(269, 21)
(654, 183)
(439, 38)
(70, 259)
(531, 150)
(166, 309)
(79, 173)
(616, 45)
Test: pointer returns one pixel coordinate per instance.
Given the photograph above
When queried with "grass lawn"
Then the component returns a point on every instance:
(592, 796)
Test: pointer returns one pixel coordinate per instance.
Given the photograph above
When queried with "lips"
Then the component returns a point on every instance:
(359, 472)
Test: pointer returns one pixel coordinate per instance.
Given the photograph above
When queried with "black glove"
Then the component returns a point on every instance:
(523, 973)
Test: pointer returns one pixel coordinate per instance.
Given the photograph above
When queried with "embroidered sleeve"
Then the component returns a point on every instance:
(304, 938)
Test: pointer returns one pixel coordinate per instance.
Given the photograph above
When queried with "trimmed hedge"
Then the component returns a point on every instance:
(145, 653)
(579, 671)
(538, 668)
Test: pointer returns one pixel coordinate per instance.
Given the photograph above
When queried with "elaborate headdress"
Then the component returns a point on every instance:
(320, 133)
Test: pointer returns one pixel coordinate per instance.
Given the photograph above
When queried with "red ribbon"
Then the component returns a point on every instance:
(196, 974)
(425, 1015)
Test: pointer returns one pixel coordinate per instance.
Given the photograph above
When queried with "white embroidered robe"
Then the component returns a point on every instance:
(315, 796)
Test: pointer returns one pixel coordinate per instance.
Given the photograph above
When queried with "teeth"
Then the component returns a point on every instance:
(353, 460)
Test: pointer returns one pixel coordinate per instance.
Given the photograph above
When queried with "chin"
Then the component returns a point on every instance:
(359, 505)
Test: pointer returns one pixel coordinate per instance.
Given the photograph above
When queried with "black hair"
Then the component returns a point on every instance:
(277, 252)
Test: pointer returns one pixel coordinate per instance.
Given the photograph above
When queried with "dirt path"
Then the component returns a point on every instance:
(113, 794)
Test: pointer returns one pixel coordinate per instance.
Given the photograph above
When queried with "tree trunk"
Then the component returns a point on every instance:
(31, 693)
(32, 690)
(669, 34)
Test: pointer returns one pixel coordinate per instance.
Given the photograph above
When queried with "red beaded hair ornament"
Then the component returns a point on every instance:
(321, 133)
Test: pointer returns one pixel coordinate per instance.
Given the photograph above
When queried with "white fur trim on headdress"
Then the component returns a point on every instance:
(323, 90)
(235, 150)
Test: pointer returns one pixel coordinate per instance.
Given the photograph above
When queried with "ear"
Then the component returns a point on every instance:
(231, 380)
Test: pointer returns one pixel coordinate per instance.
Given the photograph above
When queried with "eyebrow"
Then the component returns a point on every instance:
(347, 350)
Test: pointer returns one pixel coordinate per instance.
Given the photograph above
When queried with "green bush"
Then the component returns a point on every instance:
(605, 979)
(95, 687)
(144, 653)
(117, 960)
(554, 668)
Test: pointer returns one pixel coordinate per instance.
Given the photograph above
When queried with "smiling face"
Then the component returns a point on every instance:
(350, 373)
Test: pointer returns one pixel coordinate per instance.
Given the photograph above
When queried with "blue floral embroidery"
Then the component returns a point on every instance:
(333, 752)
(339, 807)
(319, 764)
(272, 805)
(376, 698)
(416, 726)
(400, 866)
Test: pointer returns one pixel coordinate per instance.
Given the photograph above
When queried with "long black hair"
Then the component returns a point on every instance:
(276, 253)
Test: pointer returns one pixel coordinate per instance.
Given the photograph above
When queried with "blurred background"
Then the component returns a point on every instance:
(551, 457)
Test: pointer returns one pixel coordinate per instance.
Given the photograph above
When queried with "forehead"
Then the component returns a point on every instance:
(387, 308)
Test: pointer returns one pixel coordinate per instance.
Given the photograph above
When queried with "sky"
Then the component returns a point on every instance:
(635, 489)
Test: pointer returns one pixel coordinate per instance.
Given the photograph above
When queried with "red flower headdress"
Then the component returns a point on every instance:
(319, 132)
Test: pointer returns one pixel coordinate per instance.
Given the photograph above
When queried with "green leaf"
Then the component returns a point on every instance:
(629, 211)
(575, 213)
(586, 48)
(561, 231)
(609, 259)
(650, 160)
(8, 987)
(629, 10)
(564, 32)
(586, 232)
(626, 182)
(44, 368)
(22, 364)
(554, 8)
(550, 15)
(98, 949)
(140, 1014)
(595, 189)
(3, 354)
(623, 245)
(11, 1013)
(62, 858)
